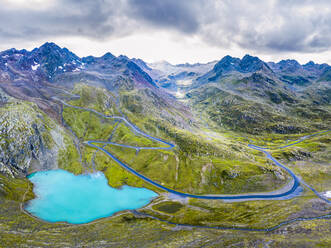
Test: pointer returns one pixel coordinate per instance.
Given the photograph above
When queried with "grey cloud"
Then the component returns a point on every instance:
(94, 19)
(181, 15)
(270, 25)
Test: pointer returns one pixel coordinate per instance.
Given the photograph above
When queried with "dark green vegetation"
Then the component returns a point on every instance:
(221, 110)
(169, 207)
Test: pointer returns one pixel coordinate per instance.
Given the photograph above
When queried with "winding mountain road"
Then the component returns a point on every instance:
(288, 193)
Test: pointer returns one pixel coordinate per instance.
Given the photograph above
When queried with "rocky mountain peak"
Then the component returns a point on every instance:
(310, 63)
(247, 64)
(142, 64)
(51, 52)
(227, 63)
(289, 65)
(108, 56)
(49, 60)
(252, 64)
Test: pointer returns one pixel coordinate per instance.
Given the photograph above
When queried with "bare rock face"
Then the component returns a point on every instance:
(29, 140)
(3, 98)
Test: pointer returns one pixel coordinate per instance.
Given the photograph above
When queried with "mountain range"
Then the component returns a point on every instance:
(49, 63)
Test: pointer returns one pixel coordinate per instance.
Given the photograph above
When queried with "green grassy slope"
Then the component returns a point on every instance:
(206, 160)
(197, 164)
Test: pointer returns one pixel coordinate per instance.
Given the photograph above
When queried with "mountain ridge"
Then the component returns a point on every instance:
(50, 60)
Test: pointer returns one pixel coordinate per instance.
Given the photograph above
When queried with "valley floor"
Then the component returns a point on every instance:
(171, 221)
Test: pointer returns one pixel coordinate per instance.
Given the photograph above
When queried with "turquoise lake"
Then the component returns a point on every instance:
(63, 196)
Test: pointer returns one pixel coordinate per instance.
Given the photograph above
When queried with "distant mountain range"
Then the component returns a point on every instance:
(289, 71)
(49, 62)
(28, 75)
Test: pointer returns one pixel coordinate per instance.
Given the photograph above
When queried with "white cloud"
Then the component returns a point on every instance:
(29, 4)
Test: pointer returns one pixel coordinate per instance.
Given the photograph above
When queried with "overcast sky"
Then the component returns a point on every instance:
(174, 30)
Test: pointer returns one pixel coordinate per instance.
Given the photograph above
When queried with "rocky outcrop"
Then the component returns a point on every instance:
(29, 140)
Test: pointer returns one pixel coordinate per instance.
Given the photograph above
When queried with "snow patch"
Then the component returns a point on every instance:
(184, 82)
(179, 94)
(35, 67)
(5, 56)
(327, 194)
